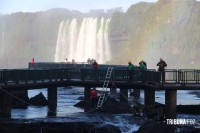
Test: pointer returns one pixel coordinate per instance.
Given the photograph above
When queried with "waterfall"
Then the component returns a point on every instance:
(80, 41)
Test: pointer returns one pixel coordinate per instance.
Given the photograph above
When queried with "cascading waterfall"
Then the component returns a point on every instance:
(88, 41)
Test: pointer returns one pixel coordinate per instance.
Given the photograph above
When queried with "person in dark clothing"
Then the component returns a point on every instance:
(93, 97)
(161, 68)
(95, 65)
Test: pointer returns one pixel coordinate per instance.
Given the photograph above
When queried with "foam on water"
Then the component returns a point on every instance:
(67, 112)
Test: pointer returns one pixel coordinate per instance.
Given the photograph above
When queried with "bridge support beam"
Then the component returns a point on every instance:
(87, 93)
(124, 95)
(5, 104)
(52, 101)
(170, 104)
(149, 101)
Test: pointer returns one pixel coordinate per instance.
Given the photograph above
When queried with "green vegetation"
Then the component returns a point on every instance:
(167, 29)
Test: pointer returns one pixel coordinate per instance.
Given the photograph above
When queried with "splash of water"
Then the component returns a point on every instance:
(90, 40)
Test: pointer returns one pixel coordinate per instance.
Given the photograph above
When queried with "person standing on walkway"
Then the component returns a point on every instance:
(161, 68)
(131, 67)
(143, 68)
(143, 62)
(95, 65)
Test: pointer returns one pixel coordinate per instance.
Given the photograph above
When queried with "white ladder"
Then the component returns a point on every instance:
(105, 86)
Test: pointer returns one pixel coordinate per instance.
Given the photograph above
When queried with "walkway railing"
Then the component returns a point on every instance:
(26, 76)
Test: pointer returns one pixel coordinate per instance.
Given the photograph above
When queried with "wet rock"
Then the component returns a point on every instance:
(189, 109)
(110, 106)
(155, 127)
(38, 100)
(80, 104)
(46, 127)
(189, 129)
(106, 128)
(115, 107)
(80, 98)
(73, 127)
(84, 104)
(20, 127)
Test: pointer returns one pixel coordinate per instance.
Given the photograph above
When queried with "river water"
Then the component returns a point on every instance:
(67, 112)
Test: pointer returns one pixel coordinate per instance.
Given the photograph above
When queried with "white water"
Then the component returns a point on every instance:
(67, 112)
(89, 41)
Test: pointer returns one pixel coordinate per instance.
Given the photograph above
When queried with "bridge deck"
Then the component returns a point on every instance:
(84, 75)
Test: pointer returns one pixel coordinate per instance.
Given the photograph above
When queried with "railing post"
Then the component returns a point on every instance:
(50, 75)
(26, 78)
(34, 75)
(5, 77)
(16, 76)
(83, 74)
(61, 74)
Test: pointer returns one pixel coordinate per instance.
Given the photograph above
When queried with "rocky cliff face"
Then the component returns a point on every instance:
(27, 35)
(167, 29)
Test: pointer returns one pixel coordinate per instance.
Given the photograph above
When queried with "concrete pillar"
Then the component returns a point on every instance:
(124, 95)
(52, 101)
(5, 104)
(170, 104)
(149, 101)
(20, 94)
(87, 93)
(136, 93)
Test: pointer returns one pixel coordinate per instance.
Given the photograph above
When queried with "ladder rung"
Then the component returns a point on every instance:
(105, 85)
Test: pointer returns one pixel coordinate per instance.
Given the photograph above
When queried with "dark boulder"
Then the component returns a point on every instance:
(71, 127)
(80, 104)
(38, 100)
(84, 104)
(115, 107)
(110, 106)
(45, 127)
(189, 109)
(106, 128)
(80, 98)
(155, 127)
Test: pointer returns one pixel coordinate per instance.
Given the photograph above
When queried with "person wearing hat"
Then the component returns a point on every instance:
(143, 62)
(143, 68)
(131, 67)
(161, 68)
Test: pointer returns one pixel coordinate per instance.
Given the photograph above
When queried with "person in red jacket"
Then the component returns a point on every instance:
(93, 96)
(95, 64)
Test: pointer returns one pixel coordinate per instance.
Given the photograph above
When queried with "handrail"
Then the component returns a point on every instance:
(16, 76)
